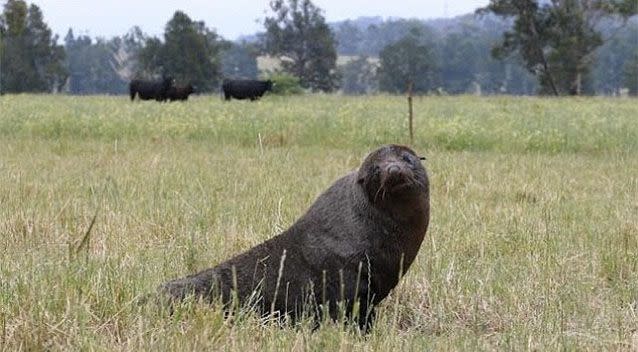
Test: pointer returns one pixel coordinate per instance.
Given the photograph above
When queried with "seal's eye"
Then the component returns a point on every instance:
(407, 159)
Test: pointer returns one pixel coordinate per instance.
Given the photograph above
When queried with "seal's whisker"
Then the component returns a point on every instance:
(377, 194)
(381, 190)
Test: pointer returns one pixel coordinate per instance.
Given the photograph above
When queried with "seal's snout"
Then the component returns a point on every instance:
(394, 174)
(393, 169)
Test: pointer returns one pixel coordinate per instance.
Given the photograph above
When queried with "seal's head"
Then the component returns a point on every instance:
(392, 172)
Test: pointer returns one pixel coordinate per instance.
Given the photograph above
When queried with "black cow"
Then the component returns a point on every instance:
(245, 89)
(147, 90)
(179, 92)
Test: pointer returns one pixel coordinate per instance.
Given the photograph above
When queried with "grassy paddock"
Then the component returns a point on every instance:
(448, 123)
(533, 241)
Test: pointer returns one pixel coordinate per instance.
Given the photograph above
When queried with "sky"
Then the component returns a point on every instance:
(230, 18)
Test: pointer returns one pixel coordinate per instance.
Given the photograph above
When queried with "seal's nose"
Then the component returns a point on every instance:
(393, 169)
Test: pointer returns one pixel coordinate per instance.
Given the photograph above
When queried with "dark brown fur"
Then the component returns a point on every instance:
(179, 92)
(349, 246)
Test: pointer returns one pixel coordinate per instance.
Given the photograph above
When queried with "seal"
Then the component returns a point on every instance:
(344, 255)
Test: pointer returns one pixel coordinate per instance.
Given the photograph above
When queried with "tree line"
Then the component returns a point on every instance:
(575, 48)
(557, 47)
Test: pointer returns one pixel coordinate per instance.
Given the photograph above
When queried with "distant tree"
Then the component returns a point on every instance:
(631, 74)
(348, 38)
(30, 59)
(359, 76)
(459, 61)
(93, 66)
(380, 35)
(556, 38)
(240, 61)
(134, 39)
(465, 63)
(408, 60)
(128, 50)
(609, 68)
(77, 64)
(297, 32)
(13, 23)
(460, 46)
(150, 59)
(190, 52)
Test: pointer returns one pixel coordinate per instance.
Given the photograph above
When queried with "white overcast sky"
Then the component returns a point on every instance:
(230, 18)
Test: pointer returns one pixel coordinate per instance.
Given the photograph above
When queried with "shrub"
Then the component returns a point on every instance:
(285, 84)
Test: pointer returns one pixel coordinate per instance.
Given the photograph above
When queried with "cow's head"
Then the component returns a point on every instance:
(269, 85)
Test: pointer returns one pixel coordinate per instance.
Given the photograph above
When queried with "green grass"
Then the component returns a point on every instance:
(533, 242)
(447, 123)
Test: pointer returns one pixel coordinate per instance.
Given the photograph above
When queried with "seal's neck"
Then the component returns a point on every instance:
(408, 212)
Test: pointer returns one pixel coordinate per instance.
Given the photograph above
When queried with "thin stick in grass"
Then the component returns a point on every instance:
(395, 318)
(87, 235)
(279, 275)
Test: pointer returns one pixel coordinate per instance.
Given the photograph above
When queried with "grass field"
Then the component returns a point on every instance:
(533, 240)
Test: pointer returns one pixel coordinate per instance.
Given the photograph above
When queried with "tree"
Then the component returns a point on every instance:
(378, 36)
(461, 47)
(297, 32)
(30, 60)
(459, 61)
(609, 69)
(465, 64)
(408, 60)
(93, 66)
(631, 74)
(359, 76)
(190, 53)
(556, 39)
(240, 61)
(150, 59)
(348, 37)
(13, 23)
(127, 52)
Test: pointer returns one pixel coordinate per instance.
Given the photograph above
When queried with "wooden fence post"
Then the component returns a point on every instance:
(410, 113)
